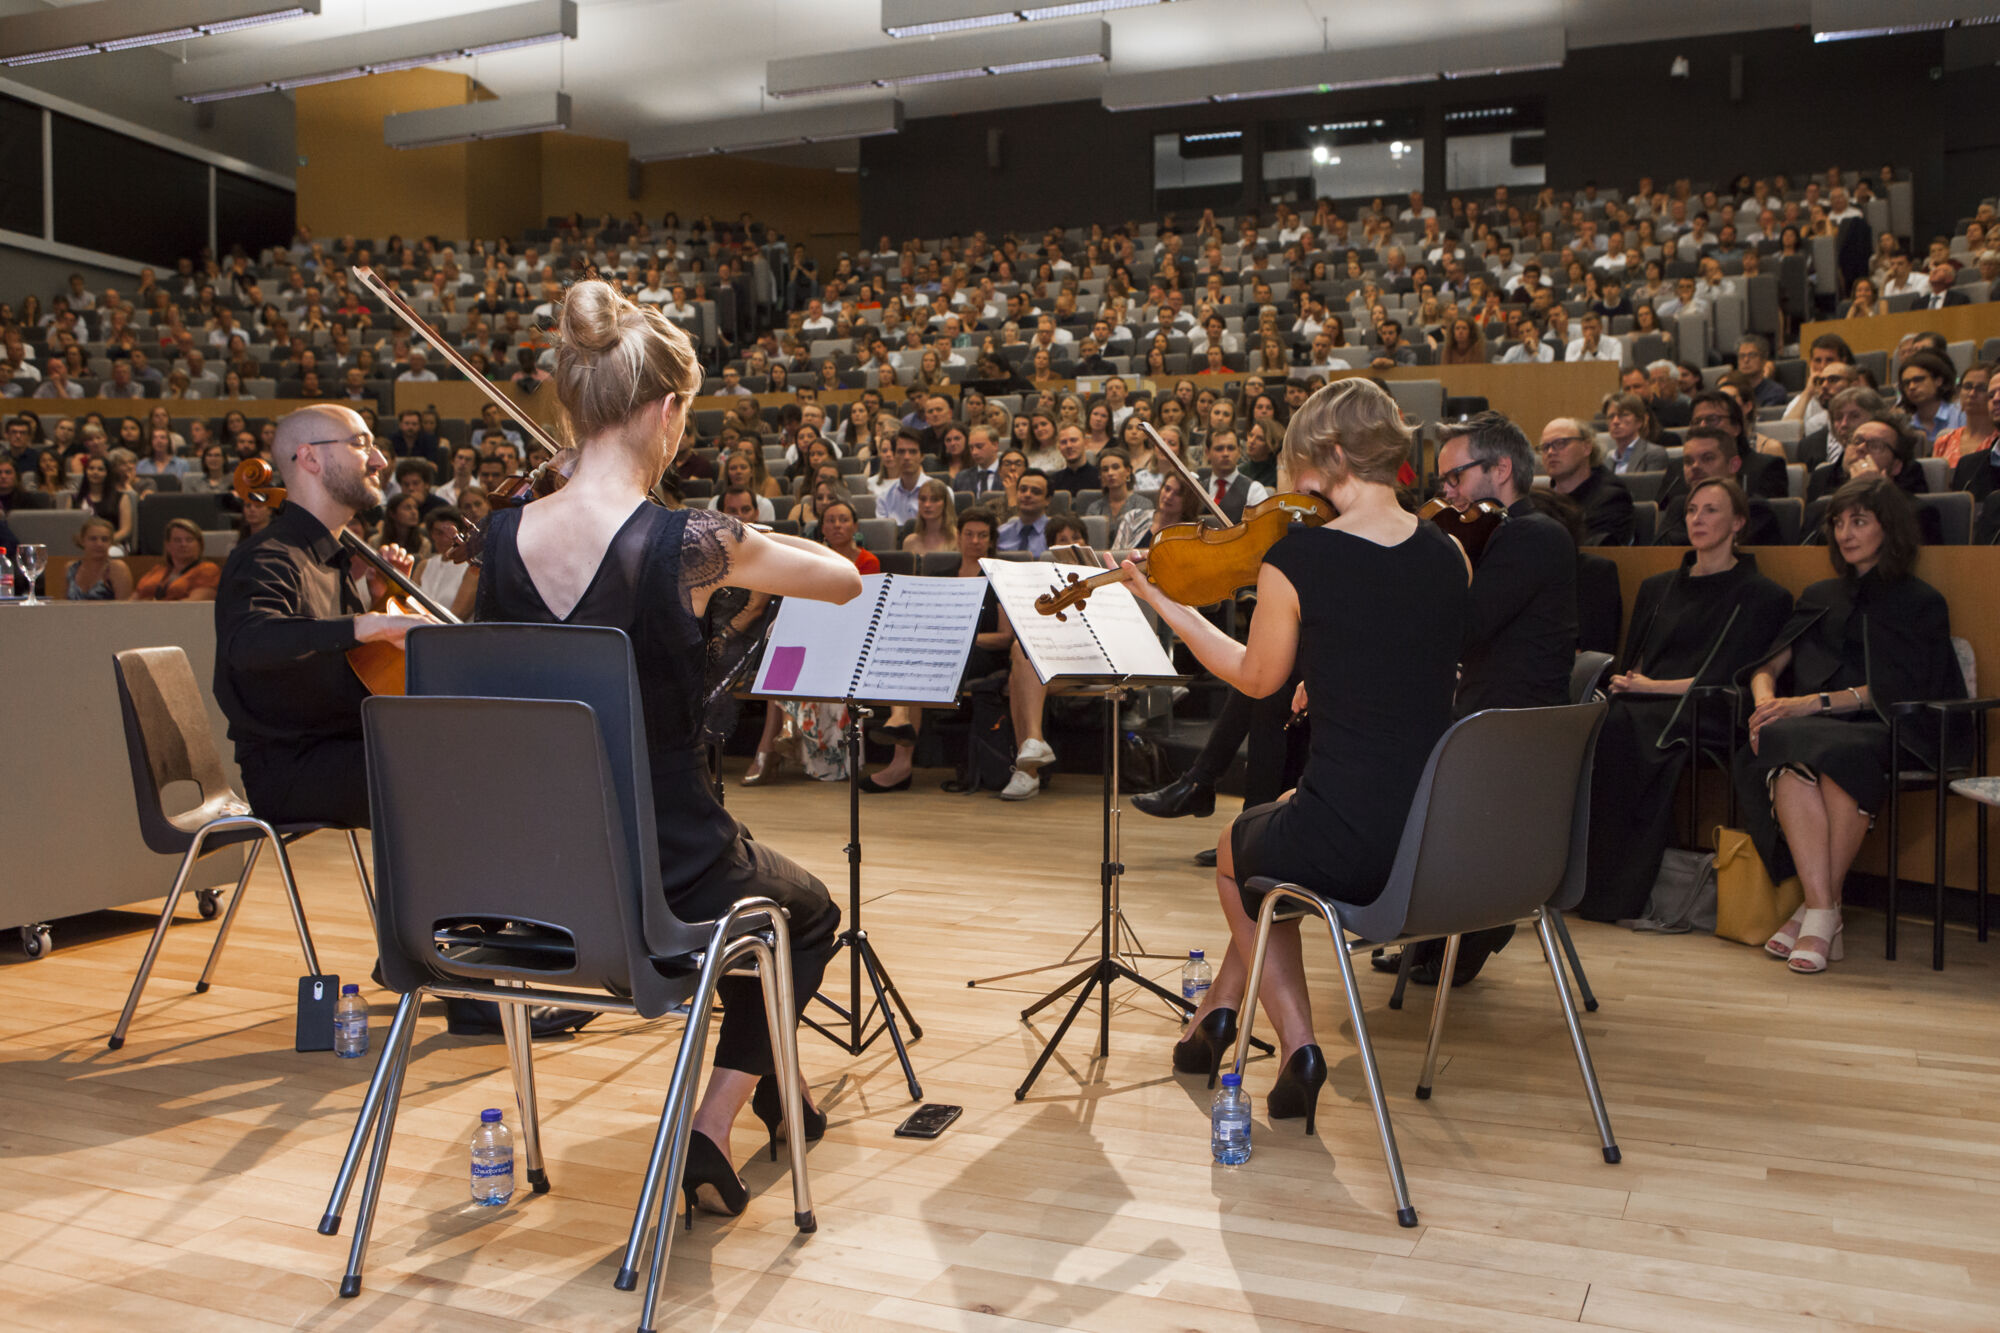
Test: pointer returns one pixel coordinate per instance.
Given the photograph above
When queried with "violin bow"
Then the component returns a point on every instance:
(1160, 446)
(402, 310)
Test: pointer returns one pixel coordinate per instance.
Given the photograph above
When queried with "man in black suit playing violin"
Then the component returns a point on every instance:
(285, 616)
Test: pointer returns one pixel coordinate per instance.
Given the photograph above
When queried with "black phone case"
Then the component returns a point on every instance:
(928, 1121)
(317, 998)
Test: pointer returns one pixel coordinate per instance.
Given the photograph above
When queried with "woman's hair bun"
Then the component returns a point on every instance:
(590, 316)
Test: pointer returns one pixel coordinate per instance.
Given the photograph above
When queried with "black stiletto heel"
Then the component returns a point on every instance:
(708, 1167)
(1296, 1093)
(769, 1107)
(1205, 1044)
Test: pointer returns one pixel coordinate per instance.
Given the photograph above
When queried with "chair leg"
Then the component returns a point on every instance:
(1406, 1215)
(1895, 883)
(292, 895)
(371, 1189)
(680, 1112)
(1405, 961)
(159, 937)
(774, 968)
(1266, 913)
(1437, 1017)
(361, 873)
(515, 1027)
(1982, 871)
(1937, 867)
(1575, 963)
(1545, 931)
(229, 917)
(669, 1154)
(371, 1105)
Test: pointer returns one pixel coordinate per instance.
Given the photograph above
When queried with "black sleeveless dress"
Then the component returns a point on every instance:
(1379, 635)
(644, 586)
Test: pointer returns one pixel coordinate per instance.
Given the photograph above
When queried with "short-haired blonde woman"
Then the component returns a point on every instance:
(98, 575)
(1372, 608)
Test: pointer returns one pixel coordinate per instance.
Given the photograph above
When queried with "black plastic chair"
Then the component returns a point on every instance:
(167, 740)
(1512, 778)
(560, 903)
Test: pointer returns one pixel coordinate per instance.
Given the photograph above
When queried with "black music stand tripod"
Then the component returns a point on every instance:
(1109, 967)
(861, 955)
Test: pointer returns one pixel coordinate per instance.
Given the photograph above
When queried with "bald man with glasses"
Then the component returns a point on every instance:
(285, 615)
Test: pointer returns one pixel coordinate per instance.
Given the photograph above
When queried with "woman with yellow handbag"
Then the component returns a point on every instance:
(1817, 770)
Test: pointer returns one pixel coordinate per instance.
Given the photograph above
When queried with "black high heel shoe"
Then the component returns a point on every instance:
(1296, 1093)
(1201, 1051)
(769, 1107)
(708, 1169)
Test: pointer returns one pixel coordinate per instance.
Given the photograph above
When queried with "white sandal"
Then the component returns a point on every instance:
(1818, 941)
(1780, 944)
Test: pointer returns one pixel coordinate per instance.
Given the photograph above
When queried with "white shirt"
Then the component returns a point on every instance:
(820, 325)
(1518, 355)
(893, 500)
(1608, 349)
(1914, 285)
(1257, 494)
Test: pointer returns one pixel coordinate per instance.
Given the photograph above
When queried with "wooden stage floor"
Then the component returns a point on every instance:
(1799, 1152)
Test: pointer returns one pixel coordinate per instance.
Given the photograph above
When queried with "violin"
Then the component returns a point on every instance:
(380, 666)
(1197, 564)
(1473, 526)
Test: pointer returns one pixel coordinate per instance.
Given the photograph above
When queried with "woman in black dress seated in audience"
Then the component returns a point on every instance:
(1373, 606)
(598, 553)
(1815, 773)
(1700, 624)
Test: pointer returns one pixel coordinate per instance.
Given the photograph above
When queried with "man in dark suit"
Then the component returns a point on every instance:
(984, 474)
(411, 440)
(1231, 490)
(1941, 294)
(13, 495)
(1710, 453)
(1520, 641)
(1576, 468)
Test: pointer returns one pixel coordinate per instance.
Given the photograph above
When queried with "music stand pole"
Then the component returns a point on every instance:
(861, 955)
(1108, 967)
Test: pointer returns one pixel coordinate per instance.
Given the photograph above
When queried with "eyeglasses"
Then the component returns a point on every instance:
(1451, 476)
(1560, 442)
(363, 441)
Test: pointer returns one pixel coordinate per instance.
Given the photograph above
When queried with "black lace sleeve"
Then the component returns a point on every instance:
(708, 548)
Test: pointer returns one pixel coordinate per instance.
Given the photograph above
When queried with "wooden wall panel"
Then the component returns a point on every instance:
(1883, 332)
(352, 183)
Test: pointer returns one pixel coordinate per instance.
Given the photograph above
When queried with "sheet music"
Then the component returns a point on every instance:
(903, 640)
(922, 638)
(813, 646)
(1108, 637)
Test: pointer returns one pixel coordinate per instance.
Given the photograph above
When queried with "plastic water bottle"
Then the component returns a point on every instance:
(1229, 1122)
(350, 1024)
(492, 1161)
(1195, 977)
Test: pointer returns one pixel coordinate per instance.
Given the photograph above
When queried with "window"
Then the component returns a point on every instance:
(1359, 157)
(21, 166)
(125, 197)
(1501, 144)
(252, 214)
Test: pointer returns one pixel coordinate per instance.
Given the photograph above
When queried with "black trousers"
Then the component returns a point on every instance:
(1277, 756)
(750, 869)
(316, 782)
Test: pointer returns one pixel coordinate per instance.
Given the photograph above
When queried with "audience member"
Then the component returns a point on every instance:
(97, 575)
(1575, 463)
(182, 574)
(1026, 531)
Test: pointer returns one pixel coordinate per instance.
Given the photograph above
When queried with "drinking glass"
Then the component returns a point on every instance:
(32, 557)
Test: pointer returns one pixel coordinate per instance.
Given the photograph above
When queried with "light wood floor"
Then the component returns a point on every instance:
(1798, 1152)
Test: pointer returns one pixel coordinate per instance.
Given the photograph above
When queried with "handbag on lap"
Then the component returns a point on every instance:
(1749, 908)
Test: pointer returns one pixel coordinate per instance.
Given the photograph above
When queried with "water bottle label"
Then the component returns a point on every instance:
(1193, 988)
(488, 1170)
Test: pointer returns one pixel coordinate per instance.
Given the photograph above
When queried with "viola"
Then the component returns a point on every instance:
(1195, 563)
(1473, 526)
(380, 666)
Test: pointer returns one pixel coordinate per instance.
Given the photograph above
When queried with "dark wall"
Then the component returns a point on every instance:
(1613, 113)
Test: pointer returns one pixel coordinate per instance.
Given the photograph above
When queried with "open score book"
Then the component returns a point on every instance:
(903, 640)
(1106, 639)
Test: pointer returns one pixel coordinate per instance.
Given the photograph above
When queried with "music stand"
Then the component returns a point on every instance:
(1110, 965)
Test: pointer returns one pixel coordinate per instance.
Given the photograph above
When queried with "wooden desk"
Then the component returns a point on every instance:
(1969, 578)
(1883, 332)
(111, 409)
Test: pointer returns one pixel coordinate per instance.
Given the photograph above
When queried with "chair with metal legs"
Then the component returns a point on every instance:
(167, 740)
(1498, 833)
(561, 906)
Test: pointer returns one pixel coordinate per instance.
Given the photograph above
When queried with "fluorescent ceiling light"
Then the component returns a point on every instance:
(1337, 71)
(935, 18)
(1019, 50)
(40, 36)
(777, 129)
(496, 118)
(1848, 20)
(377, 51)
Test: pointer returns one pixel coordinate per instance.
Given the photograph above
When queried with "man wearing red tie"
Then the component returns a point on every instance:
(1231, 490)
